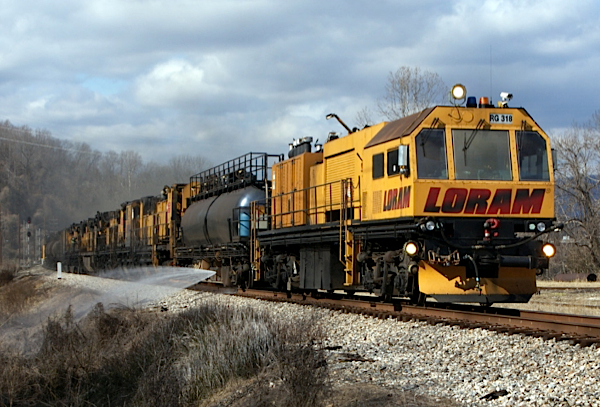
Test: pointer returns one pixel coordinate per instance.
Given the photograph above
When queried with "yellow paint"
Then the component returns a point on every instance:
(437, 279)
(377, 191)
(346, 161)
(290, 194)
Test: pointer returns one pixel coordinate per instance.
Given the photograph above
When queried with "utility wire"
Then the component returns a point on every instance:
(30, 143)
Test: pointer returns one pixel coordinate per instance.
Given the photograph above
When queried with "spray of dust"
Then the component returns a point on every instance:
(140, 286)
(135, 288)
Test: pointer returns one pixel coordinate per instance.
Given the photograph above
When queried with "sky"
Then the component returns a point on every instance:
(222, 78)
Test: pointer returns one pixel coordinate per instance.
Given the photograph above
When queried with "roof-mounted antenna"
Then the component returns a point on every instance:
(491, 74)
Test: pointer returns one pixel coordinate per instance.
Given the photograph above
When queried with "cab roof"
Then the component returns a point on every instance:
(399, 128)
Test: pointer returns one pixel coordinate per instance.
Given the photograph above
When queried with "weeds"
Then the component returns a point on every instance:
(6, 277)
(15, 294)
(128, 357)
(301, 364)
(7, 274)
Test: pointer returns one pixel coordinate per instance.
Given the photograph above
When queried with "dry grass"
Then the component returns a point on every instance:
(15, 296)
(573, 297)
(581, 284)
(128, 357)
(7, 274)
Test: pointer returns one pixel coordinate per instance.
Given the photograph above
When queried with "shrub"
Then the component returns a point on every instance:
(137, 358)
(15, 294)
(6, 276)
(8, 272)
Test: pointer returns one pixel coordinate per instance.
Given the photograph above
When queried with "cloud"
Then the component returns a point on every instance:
(168, 77)
(174, 82)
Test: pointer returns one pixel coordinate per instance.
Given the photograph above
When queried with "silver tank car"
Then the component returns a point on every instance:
(220, 219)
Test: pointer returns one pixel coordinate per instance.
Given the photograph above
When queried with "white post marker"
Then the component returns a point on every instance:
(59, 270)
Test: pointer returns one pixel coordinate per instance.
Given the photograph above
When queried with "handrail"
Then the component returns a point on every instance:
(248, 169)
(310, 214)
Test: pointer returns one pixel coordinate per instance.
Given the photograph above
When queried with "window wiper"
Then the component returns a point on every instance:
(468, 142)
(520, 136)
(472, 136)
(429, 133)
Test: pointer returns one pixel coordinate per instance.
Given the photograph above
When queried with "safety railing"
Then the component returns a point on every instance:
(249, 169)
(331, 202)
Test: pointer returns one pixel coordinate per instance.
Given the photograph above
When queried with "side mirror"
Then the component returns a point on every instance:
(403, 168)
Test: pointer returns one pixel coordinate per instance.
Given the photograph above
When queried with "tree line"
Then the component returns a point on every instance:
(577, 205)
(49, 183)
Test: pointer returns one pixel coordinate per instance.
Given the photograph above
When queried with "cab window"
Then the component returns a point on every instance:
(532, 156)
(392, 162)
(431, 154)
(378, 166)
(481, 155)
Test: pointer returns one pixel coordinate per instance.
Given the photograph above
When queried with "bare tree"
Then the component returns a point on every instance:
(184, 166)
(130, 164)
(410, 90)
(56, 182)
(578, 196)
(364, 117)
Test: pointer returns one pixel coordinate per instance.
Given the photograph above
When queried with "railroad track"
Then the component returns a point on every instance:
(569, 288)
(576, 329)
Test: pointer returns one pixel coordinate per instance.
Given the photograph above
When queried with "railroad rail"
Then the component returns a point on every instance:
(576, 288)
(575, 329)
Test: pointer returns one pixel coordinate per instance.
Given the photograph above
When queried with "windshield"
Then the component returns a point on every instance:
(431, 154)
(481, 155)
(533, 156)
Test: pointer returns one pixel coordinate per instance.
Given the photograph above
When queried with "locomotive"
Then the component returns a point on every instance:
(452, 202)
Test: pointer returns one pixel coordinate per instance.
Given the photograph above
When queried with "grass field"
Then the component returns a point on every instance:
(566, 297)
(568, 284)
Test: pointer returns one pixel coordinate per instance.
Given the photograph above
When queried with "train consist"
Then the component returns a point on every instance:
(451, 202)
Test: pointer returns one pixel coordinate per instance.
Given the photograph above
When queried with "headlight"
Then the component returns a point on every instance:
(411, 248)
(458, 92)
(549, 250)
(428, 226)
(541, 227)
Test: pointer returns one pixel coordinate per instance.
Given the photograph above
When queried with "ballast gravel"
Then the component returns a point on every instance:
(441, 361)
